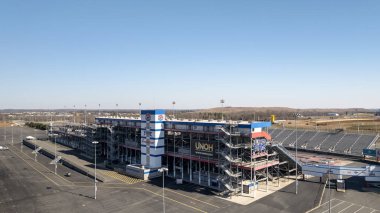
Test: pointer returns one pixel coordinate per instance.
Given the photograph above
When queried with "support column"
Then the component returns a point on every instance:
(199, 174)
(278, 174)
(191, 165)
(182, 157)
(208, 173)
(126, 155)
(174, 168)
(267, 174)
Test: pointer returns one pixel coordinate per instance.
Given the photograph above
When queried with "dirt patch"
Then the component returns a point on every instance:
(5, 124)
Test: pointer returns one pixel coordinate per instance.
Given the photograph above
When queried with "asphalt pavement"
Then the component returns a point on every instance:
(30, 186)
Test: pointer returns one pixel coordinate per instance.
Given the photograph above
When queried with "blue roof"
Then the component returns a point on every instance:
(153, 111)
(261, 124)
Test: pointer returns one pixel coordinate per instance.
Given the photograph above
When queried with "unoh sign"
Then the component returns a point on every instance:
(203, 148)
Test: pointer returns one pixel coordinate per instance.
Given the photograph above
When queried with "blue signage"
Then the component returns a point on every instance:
(369, 152)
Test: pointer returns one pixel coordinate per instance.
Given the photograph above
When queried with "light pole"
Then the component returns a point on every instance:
(222, 102)
(85, 114)
(22, 138)
(5, 130)
(64, 114)
(55, 153)
(163, 170)
(95, 143)
(295, 122)
(117, 110)
(329, 189)
(328, 163)
(74, 114)
(12, 133)
(173, 108)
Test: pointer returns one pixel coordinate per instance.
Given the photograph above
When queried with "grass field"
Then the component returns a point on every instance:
(350, 124)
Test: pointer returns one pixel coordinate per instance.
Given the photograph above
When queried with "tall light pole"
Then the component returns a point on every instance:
(222, 103)
(74, 114)
(328, 175)
(64, 114)
(295, 122)
(163, 170)
(117, 110)
(173, 108)
(55, 154)
(85, 114)
(22, 138)
(5, 130)
(96, 189)
(329, 189)
(12, 133)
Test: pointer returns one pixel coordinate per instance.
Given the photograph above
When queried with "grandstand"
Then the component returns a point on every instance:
(338, 141)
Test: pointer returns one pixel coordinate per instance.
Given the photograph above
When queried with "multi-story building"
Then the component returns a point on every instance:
(225, 155)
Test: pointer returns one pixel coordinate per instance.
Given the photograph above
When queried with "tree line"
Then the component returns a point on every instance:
(40, 126)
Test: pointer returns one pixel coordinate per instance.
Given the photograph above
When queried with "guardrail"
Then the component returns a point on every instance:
(66, 162)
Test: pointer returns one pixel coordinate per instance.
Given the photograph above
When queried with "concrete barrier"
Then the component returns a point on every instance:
(66, 162)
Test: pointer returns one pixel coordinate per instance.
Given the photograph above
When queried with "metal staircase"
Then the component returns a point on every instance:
(224, 180)
(228, 144)
(228, 171)
(228, 133)
(283, 151)
(227, 159)
(374, 141)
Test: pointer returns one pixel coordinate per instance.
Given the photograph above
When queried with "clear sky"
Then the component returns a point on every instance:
(302, 54)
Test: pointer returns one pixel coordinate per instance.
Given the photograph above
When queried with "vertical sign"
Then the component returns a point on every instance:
(152, 137)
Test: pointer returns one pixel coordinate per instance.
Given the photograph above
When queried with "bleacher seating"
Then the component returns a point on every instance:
(346, 143)
(339, 142)
(363, 143)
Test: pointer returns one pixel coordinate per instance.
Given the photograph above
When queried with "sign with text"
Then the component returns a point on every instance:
(203, 148)
(370, 152)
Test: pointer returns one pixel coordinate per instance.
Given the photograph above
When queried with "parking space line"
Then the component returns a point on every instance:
(334, 206)
(168, 198)
(359, 209)
(328, 202)
(192, 198)
(46, 168)
(346, 208)
(34, 168)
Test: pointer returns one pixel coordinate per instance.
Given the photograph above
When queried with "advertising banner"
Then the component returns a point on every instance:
(370, 152)
(200, 148)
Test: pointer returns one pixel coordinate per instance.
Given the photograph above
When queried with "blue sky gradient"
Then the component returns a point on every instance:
(302, 54)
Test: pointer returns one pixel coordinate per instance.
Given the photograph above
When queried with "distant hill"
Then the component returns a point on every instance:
(263, 113)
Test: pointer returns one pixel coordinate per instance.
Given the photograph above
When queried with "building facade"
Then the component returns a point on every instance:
(225, 155)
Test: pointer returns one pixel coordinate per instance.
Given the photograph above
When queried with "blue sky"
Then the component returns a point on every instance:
(302, 54)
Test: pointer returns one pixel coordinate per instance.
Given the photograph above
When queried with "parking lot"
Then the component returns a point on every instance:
(27, 184)
(341, 206)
